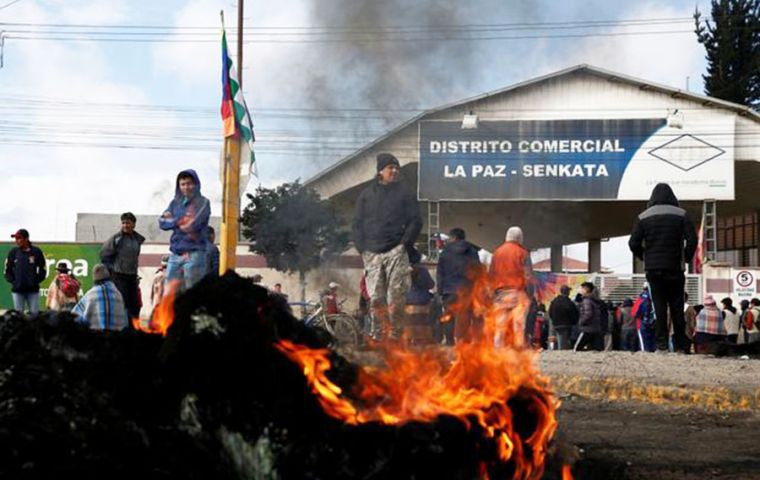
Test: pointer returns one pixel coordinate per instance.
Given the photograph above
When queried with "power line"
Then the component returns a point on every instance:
(365, 28)
(320, 31)
(9, 4)
(26, 37)
(31, 101)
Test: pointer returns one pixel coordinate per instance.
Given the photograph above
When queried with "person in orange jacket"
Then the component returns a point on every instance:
(511, 272)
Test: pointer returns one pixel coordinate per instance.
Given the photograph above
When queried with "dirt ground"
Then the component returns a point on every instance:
(645, 416)
(637, 440)
(686, 371)
(649, 416)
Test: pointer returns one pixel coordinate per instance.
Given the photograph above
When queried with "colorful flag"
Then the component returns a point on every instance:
(235, 115)
(699, 255)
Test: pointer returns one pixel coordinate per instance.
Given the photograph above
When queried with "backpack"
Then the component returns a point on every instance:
(68, 284)
(642, 311)
(751, 318)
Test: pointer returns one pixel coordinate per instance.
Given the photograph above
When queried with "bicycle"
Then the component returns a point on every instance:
(341, 326)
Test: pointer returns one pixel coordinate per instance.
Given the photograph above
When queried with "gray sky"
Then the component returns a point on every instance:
(103, 126)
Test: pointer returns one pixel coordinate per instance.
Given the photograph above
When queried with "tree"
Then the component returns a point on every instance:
(732, 45)
(293, 229)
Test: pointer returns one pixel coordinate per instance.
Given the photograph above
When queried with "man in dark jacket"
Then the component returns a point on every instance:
(589, 321)
(187, 216)
(564, 315)
(386, 224)
(120, 254)
(664, 238)
(419, 328)
(25, 270)
(454, 273)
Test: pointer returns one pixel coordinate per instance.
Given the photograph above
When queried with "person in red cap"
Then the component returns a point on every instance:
(25, 270)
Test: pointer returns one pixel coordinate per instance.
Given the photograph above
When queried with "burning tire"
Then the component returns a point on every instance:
(232, 386)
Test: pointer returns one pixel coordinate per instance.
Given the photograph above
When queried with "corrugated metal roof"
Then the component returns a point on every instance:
(585, 68)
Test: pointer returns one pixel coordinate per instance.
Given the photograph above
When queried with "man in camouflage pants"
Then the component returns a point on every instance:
(386, 224)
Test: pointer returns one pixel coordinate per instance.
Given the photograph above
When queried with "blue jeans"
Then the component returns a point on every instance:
(563, 337)
(31, 299)
(648, 338)
(188, 268)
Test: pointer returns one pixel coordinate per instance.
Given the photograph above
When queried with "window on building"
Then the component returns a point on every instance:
(737, 238)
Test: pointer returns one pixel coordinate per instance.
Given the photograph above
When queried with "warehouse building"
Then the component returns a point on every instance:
(572, 157)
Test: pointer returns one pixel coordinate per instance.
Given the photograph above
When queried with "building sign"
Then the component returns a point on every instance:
(80, 259)
(569, 160)
(745, 285)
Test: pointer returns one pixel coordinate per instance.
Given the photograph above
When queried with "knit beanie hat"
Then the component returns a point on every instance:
(385, 159)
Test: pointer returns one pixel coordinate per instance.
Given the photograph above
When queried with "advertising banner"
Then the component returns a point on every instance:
(612, 159)
(79, 257)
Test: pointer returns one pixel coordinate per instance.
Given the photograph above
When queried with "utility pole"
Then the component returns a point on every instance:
(2, 46)
(240, 44)
(231, 194)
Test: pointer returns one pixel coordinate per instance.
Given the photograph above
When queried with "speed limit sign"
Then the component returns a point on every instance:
(745, 285)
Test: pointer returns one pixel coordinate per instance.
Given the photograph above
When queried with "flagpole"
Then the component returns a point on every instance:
(240, 44)
(231, 190)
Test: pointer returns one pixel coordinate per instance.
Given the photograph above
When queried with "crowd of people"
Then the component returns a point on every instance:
(387, 221)
(630, 325)
(115, 297)
(399, 296)
(399, 289)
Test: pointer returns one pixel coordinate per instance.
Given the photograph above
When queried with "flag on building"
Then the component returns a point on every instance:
(235, 115)
(699, 255)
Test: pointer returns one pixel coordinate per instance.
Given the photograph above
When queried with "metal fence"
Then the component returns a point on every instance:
(617, 287)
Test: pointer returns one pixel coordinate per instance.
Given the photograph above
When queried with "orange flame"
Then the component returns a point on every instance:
(163, 315)
(482, 383)
(567, 472)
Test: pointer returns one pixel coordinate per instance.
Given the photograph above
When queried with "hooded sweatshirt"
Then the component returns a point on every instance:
(663, 235)
(188, 220)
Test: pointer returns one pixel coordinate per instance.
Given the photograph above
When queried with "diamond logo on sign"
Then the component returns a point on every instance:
(686, 152)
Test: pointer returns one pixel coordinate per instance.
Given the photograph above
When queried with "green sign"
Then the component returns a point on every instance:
(80, 257)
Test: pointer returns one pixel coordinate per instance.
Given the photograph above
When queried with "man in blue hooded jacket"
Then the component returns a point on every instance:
(187, 216)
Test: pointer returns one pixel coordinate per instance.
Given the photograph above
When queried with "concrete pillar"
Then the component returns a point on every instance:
(756, 261)
(556, 258)
(594, 255)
